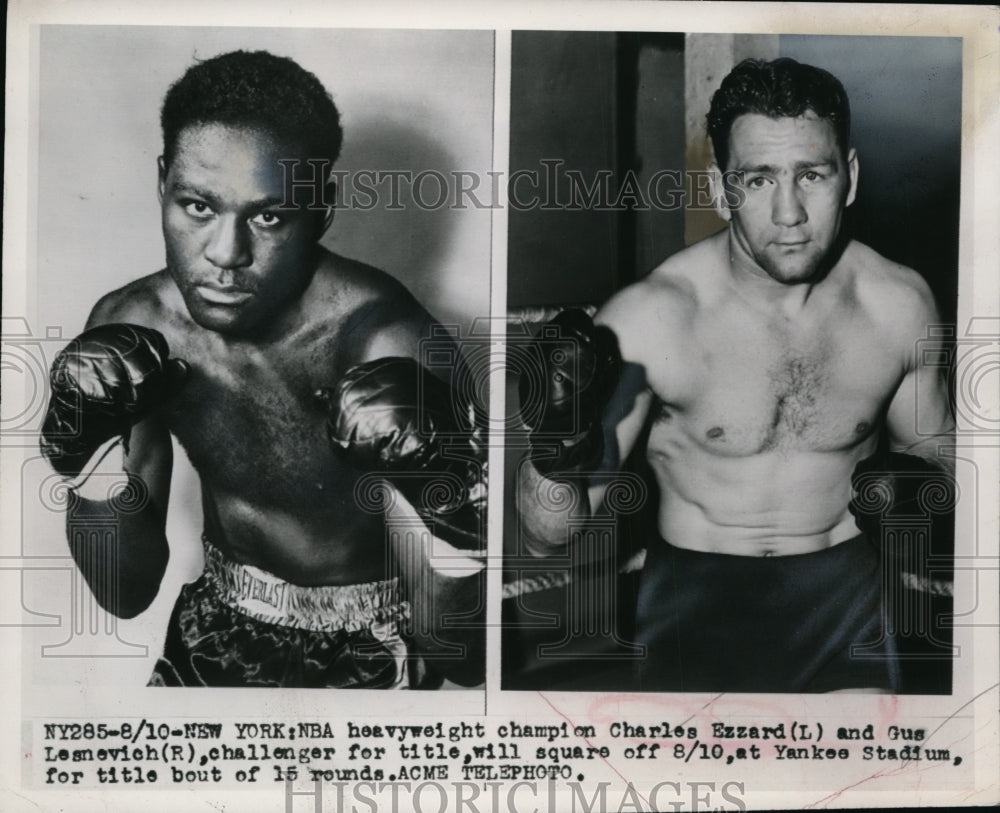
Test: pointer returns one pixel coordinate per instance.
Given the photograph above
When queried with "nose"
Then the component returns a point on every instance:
(786, 207)
(228, 245)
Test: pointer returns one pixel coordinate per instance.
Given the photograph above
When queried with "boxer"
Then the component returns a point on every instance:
(764, 364)
(226, 349)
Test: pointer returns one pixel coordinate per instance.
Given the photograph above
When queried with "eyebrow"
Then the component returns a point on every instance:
(185, 188)
(799, 166)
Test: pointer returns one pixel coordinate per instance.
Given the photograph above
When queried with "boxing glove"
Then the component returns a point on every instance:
(577, 368)
(103, 383)
(902, 489)
(394, 417)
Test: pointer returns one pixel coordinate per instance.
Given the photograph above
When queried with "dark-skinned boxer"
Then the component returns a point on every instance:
(305, 583)
(764, 364)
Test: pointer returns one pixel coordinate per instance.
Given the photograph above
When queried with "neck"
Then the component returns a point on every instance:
(292, 317)
(754, 284)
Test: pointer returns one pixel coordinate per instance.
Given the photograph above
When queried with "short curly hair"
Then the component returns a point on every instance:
(778, 89)
(253, 89)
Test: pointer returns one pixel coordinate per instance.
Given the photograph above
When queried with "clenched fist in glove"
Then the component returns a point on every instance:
(580, 367)
(107, 380)
(902, 489)
(393, 417)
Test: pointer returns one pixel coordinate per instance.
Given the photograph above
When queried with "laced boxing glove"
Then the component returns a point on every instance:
(394, 417)
(103, 383)
(895, 487)
(580, 366)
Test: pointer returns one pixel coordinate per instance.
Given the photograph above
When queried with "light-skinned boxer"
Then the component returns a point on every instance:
(765, 363)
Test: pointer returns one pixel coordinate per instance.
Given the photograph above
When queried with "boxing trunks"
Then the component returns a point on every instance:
(238, 625)
(810, 622)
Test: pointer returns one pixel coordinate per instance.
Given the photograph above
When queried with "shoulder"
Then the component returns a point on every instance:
(353, 285)
(662, 303)
(893, 295)
(895, 299)
(144, 301)
(375, 313)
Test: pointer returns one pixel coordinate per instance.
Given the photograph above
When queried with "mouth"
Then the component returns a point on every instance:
(225, 297)
(791, 244)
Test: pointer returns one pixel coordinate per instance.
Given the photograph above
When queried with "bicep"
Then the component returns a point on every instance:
(920, 409)
(413, 333)
(108, 310)
(399, 338)
(394, 325)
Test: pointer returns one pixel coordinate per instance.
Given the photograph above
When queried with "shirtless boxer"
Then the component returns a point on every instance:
(256, 348)
(765, 362)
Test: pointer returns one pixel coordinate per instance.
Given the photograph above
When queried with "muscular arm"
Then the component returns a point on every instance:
(445, 587)
(919, 419)
(447, 600)
(543, 509)
(542, 506)
(124, 570)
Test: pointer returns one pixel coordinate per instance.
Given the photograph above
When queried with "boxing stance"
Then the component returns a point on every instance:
(255, 347)
(768, 366)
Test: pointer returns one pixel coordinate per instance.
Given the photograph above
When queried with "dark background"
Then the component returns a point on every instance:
(615, 101)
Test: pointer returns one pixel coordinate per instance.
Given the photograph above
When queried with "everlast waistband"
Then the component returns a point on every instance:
(269, 598)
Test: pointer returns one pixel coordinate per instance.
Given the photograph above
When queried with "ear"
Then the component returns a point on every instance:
(717, 185)
(161, 169)
(852, 172)
(329, 200)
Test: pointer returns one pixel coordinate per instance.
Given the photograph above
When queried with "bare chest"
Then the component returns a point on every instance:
(251, 424)
(753, 391)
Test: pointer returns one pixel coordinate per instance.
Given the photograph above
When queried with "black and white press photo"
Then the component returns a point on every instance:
(472, 407)
(733, 281)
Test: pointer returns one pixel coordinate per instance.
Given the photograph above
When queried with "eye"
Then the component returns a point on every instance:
(266, 219)
(198, 209)
(811, 176)
(757, 182)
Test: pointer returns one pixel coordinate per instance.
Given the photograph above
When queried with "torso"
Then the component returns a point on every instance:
(274, 493)
(758, 416)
